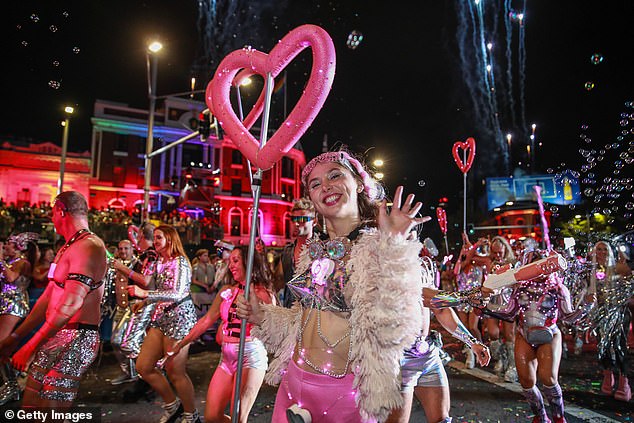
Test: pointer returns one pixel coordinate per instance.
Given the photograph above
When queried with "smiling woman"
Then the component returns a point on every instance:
(222, 383)
(357, 287)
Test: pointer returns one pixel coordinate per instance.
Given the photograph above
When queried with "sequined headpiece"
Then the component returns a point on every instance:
(21, 240)
(370, 186)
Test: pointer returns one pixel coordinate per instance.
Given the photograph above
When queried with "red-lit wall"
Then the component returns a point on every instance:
(29, 173)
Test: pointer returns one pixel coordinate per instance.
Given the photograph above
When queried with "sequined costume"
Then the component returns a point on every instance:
(174, 314)
(421, 366)
(536, 306)
(61, 361)
(468, 281)
(255, 355)
(611, 321)
(373, 281)
(129, 331)
(14, 299)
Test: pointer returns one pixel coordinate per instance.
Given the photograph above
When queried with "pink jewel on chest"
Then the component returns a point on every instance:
(226, 294)
(321, 269)
(600, 275)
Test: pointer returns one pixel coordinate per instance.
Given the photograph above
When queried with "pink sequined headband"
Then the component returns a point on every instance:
(370, 186)
(21, 240)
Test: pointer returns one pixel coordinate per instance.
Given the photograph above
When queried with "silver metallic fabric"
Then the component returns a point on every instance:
(175, 313)
(421, 366)
(129, 331)
(62, 360)
(14, 300)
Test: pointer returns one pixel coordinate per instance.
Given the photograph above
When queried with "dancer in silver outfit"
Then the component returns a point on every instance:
(15, 278)
(536, 305)
(173, 317)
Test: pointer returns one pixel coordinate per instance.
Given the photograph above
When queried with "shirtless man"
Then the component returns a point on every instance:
(67, 343)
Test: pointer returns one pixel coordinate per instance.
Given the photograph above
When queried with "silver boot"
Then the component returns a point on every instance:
(10, 391)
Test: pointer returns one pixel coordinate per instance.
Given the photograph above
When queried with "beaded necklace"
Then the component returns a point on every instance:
(328, 278)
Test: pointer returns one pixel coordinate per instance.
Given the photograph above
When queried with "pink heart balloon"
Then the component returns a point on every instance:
(255, 62)
(469, 146)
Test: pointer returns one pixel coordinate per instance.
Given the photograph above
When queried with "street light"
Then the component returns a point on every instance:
(378, 163)
(152, 69)
(62, 165)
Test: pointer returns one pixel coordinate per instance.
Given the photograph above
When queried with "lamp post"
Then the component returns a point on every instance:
(152, 69)
(62, 165)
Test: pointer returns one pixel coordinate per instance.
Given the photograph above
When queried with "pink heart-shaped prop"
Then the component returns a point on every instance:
(315, 93)
(469, 146)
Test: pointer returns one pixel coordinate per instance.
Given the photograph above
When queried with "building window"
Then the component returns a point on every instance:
(260, 221)
(235, 221)
(288, 226)
(121, 143)
(236, 157)
(287, 192)
(216, 164)
(288, 168)
(192, 153)
(236, 187)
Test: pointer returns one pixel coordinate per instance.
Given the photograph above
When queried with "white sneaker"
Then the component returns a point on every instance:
(123, 379)
(172, 411)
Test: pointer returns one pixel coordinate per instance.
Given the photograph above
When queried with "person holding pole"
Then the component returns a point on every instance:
(255, 361)
(338, 348)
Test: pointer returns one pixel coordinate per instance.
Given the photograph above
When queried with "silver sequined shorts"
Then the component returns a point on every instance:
(254, 357)
(62, 360)
(422, 367)
(13, 301)
(175, 322)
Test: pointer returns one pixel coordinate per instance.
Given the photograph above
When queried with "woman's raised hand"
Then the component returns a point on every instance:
(402, 217)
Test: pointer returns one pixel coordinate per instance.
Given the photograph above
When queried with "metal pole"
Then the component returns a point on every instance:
(464, 195)
(152, 66)
(62, 164)
(173, 144)
(256, 186)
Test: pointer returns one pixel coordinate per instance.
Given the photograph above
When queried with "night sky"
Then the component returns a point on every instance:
(404, 92)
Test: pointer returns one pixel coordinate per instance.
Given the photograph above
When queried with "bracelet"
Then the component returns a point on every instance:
(130, 274)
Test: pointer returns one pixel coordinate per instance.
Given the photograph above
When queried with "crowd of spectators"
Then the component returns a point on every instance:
(110, 224)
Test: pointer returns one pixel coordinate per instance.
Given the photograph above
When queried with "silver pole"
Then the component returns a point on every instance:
(256, 186)
(62, 164)
(152, 66)
(464, 195)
